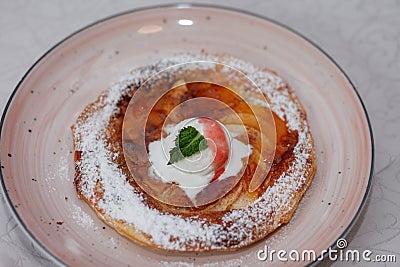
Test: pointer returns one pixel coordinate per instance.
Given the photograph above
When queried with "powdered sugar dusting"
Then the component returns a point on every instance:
(123, 202)
(82, 218)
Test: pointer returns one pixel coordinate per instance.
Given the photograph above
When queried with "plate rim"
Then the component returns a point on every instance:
(43, 249)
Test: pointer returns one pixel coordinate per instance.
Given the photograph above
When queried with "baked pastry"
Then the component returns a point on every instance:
(234, 220)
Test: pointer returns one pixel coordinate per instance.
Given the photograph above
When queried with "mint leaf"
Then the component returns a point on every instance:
(188, 142)
(175, 155)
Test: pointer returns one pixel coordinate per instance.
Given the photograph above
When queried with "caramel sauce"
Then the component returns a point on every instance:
(276, 130)
(285, 139)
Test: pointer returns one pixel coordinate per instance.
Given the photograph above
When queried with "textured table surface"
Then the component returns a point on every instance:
(362, 36)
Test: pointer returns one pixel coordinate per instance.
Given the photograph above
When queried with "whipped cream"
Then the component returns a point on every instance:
(197, 171)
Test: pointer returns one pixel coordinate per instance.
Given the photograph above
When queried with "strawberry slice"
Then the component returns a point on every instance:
(214, 131)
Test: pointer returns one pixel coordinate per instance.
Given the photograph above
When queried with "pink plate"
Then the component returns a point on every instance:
(36, 141)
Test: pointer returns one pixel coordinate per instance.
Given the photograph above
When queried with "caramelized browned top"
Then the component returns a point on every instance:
(285, 141)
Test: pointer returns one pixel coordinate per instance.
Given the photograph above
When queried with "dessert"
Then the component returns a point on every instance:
(121, 187)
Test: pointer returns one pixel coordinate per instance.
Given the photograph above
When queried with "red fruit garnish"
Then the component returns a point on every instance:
(214, 131)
